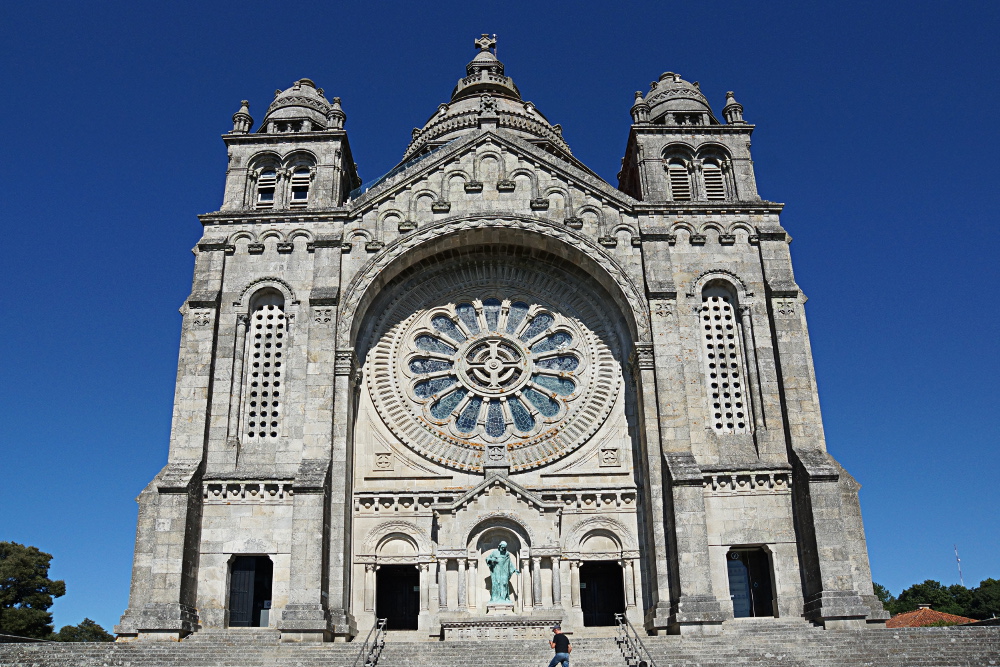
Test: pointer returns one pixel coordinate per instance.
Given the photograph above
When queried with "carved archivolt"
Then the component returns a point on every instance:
(580, 531)
(375, 267)
(493, 353)
(387, 528)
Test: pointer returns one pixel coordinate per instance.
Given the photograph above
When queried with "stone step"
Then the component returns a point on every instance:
(911, 647)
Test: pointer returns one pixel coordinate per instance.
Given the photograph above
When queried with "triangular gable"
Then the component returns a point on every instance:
(516, 489)
(574, 172)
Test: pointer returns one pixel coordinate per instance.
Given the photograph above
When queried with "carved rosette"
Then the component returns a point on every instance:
(478, 359)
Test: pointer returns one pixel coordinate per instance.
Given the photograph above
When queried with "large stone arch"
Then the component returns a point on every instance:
(455, 236)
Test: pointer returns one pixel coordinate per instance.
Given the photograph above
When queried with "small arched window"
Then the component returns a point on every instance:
(300, 187)
(680, 180)
(715, 187)
(729, 408)
(265, 345)
(267, 180)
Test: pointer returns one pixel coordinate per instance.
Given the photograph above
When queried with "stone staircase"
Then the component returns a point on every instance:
(815, 647)
(587, 652)
(783, 643)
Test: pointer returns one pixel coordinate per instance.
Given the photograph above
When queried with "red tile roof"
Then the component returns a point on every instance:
(923, 617)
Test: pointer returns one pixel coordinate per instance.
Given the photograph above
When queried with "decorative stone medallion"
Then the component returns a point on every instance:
(486, 358)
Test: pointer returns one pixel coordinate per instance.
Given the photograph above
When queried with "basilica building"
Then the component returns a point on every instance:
(489, 391)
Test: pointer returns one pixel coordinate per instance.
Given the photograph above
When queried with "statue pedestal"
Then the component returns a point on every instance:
(500, 608)
(500, 625)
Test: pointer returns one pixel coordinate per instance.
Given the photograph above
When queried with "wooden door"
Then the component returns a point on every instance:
(602, 592)
(241, 585)
(397, 596)
(750, 582)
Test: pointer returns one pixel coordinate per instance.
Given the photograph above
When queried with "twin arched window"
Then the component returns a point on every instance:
(683, 187)
(271, 193)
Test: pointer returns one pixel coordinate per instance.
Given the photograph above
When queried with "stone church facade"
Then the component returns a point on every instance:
(377, 385)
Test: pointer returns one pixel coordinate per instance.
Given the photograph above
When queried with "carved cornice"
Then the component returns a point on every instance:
(747, 481)
(239, 492)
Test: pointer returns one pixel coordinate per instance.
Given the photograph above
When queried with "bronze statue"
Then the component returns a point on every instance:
(501, 570)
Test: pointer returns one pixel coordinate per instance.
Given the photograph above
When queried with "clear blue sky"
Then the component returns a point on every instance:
(876, 124)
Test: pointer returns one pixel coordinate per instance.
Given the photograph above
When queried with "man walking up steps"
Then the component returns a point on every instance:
(560, 643)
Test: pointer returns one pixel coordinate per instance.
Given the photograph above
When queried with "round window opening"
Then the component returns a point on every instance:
(495, 365)
(495, 368)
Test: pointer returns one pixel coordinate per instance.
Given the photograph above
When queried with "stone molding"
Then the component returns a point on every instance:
(430, 233)
(742, 482)
(240, 492)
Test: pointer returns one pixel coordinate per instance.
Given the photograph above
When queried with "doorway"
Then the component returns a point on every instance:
(397, 596)
(750, 582)
(250, 592)
(602, 592)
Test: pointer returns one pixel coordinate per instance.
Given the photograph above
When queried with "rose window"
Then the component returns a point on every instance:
(494, 369)
(495, 355)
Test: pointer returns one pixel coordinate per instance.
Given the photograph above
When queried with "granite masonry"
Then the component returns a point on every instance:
(379, 383)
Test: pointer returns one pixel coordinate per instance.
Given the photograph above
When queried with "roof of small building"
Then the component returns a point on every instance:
(923, 617)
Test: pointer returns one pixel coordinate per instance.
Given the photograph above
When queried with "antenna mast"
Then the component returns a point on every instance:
(959, 561)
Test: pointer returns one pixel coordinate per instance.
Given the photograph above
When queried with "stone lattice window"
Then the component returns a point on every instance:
(266, 331)
(728, 408)
(715, 187)
(300, 187)
(680, 180)
(266, 183)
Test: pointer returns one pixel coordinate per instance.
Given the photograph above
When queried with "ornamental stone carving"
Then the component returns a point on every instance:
(494, 359)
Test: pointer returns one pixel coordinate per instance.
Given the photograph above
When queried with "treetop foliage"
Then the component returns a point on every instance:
(87, 631)
(26, 592)
(981, 602)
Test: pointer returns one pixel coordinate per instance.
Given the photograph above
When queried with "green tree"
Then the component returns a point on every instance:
(884, 596)
(87, 631)
(985, 599)
(26, 592)
(950, 600)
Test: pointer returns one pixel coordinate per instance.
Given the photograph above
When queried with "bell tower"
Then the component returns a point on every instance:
(244, 443)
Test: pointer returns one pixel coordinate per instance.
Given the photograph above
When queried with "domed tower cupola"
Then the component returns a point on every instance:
(484, 74)
(301, 108)
(673, 101)
(486, 99)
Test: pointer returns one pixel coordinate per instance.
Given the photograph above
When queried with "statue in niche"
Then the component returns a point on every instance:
(501, 570)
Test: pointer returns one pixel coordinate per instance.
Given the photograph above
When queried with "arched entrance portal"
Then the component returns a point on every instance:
(397, 596)
(750, 582)
(602, 592)
(250, 591)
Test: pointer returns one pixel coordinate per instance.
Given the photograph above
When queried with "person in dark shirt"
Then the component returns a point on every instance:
(560, 643)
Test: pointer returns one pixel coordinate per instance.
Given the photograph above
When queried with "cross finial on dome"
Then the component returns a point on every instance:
(485, 43)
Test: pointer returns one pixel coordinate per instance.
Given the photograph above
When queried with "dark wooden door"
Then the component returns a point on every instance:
(249, 591)
(397, 596)
(241, 585)
(602, 592)
(750, 583)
